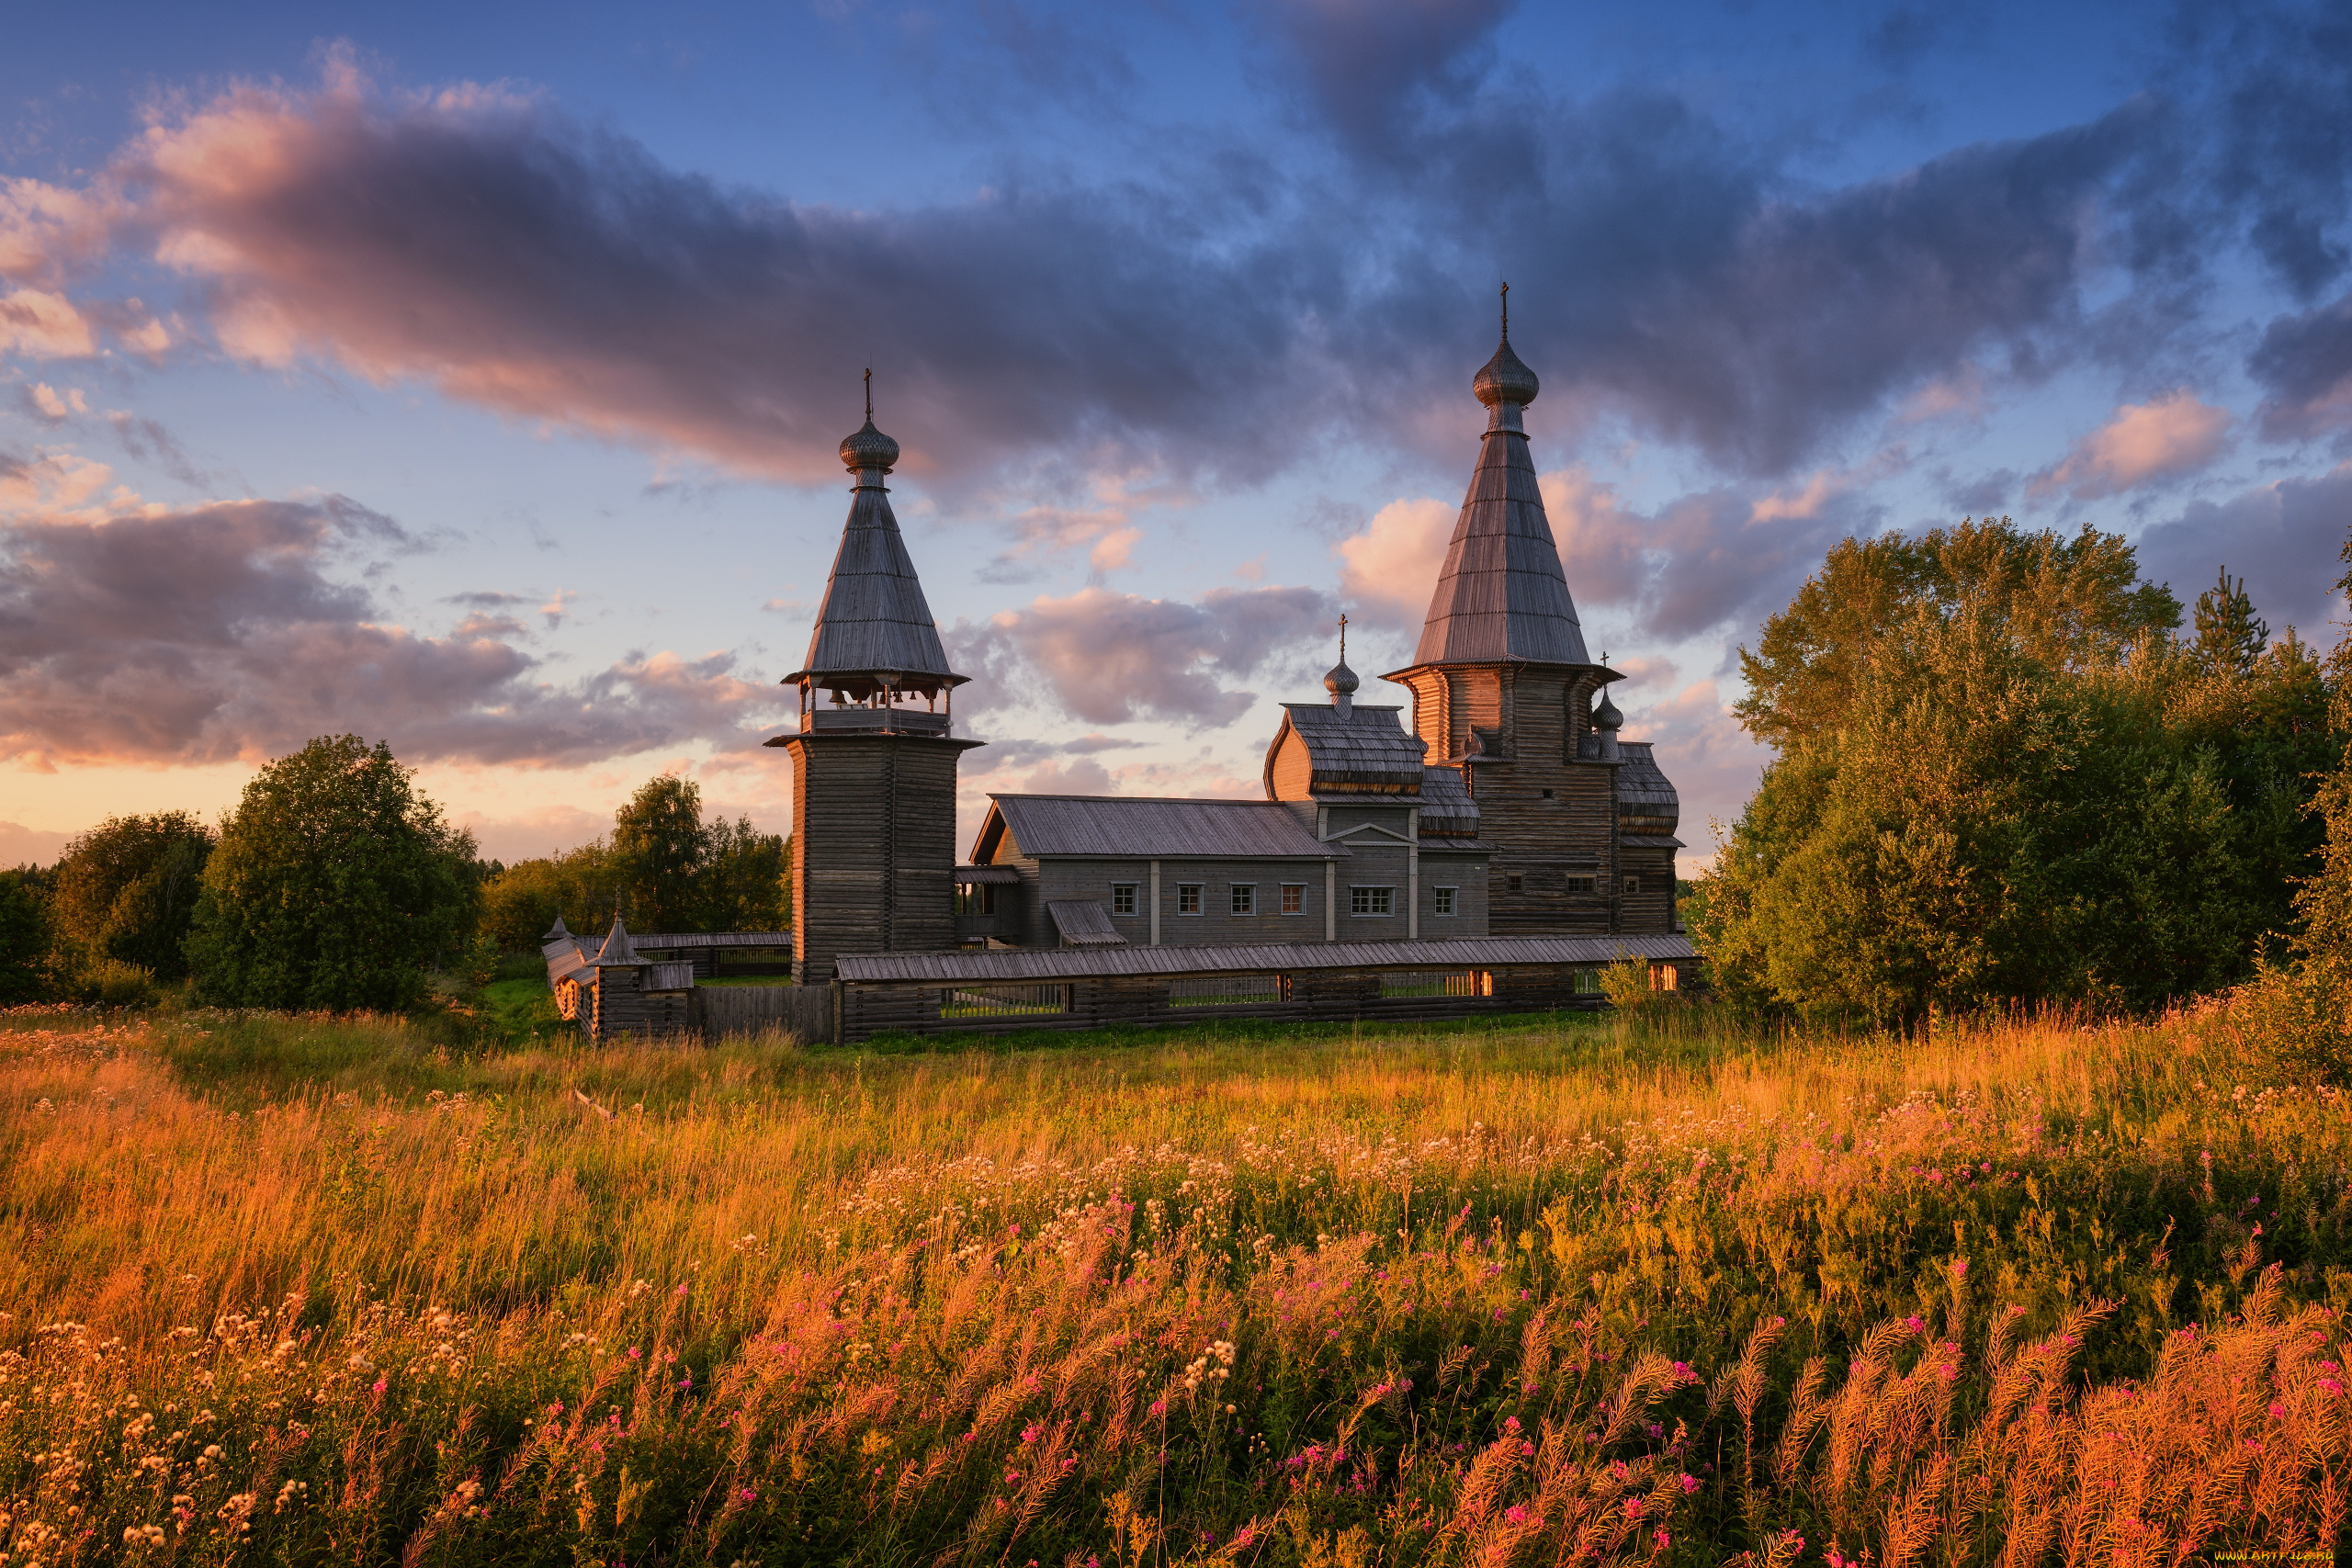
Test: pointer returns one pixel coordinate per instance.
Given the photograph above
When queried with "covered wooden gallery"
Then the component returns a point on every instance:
(1092, 988)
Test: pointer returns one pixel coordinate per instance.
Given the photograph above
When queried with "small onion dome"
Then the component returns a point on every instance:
(1506, 379)
(1605, 714)
(1341, 681)
(869, 448)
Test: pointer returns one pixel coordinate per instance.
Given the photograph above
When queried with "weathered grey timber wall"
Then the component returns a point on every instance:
(805, 1010)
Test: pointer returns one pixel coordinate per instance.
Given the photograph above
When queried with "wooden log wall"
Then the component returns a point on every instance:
(803, 1011)
(873, 847)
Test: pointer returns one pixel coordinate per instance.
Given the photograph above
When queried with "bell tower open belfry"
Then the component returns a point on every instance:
(873, 760)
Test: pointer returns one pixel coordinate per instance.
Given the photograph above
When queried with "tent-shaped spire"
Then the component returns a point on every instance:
(617, 949)
(1502, 596)
(873, 625)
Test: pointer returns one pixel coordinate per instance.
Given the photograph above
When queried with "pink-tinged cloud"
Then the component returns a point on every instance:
(1388, 572)
(2170, 436)
(1110, 658)
(42, 325)
(1713, 761)
(215, 633)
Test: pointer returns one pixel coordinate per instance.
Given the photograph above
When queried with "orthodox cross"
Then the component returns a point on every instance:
(869, 394)
(1506, 309)
(1343, 639)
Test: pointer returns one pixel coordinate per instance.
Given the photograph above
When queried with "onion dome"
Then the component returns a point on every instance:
(1341, 681)
(1506, 379)
(869, 448)
(1605, 714)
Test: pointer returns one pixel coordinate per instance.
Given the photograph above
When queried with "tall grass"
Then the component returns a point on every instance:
(318, 1290)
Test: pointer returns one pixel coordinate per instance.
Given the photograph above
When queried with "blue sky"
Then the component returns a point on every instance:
(471, 377)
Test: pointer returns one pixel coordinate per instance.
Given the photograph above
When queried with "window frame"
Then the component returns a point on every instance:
(1582, 884)
(1633, 884)
(1294, 900)
(1444, 902)
(1382, 895)
(1132, 893)
(1238, 894)
(1192, 891)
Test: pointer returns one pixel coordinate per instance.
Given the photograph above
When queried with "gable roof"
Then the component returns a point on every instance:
(1142, 828)
(1367, 749)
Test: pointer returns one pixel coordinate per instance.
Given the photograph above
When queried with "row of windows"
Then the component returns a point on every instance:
(1242, 899)
(1517, 883)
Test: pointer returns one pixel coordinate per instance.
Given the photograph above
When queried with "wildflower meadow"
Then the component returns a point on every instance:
(313, 1290)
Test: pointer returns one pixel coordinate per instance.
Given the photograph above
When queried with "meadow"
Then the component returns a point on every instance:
(318, 1290)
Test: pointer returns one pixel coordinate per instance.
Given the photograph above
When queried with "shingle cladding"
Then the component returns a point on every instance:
(1145, 828)
(1642, 785)
(875, 617)
(1079, 963)
(1366, 749)
(1447, 810)
(1502, 594)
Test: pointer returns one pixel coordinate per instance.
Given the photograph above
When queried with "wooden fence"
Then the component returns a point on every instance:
(868, 1008)
(804, 1010)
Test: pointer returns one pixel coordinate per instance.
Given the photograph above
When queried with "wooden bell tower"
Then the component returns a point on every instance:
(873, 760)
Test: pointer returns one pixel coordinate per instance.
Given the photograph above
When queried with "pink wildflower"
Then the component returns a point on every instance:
(1690, 1483)
(1159, 1407)
(1510, 1423)
(1633, 1508)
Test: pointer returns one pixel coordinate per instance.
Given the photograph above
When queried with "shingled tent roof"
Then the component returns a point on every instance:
(874, 619)
(1502, 595)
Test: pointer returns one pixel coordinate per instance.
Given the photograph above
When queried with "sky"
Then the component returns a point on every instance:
(471, 379)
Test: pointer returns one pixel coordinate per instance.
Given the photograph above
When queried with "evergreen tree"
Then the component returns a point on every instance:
(2231, 638)
(335, 886)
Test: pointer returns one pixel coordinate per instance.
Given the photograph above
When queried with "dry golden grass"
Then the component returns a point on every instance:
(316, 1289)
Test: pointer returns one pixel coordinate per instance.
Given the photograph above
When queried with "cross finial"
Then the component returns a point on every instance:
(1343, 639)
(869, 394)
(1506, 310)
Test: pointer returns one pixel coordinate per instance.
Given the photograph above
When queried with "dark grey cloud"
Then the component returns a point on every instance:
(218, 633)
(1111, 657)
(1369, 70)
(2283, 539)
(2304, 364)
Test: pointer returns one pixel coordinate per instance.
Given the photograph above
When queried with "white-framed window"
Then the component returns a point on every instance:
(1123, 897)
(1444, 902)
(1370, 900)
(1294, 897)
(1245, 897)
(1188, 898)
(1633, 884)
(1583, 884)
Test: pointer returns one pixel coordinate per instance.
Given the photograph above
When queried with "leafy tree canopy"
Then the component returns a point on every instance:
(663, 866)
(335, 886)
(127, 890)
(2001, 777)
(24, 936)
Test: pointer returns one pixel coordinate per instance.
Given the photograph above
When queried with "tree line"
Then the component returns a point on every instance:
(336, 885)
(2005, 772)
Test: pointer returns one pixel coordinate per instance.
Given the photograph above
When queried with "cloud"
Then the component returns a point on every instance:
(1043, 532)
(1219, 321)
(1713, 761)
(2165, 439)
(2283, 539)
(1389, 571)
(1111, 658)
(42, 325)
(2304, 361)
(216, 633)
(20, 845)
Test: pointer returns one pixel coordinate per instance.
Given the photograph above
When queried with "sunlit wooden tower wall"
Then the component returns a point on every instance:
(1505, 691)
(873, 761)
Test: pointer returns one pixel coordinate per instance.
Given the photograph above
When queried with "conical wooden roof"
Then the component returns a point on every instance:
(875, 620)
(1502, 595)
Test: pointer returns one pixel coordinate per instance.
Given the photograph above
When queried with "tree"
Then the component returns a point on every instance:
(746, 878)
(127, 890)
(659, 846)
(335, 886)
(24, 936)
(521, 903)
(2001, 778)
(2231, 638)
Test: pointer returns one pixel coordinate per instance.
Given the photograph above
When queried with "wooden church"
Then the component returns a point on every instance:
(1508, 806)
